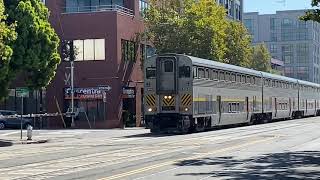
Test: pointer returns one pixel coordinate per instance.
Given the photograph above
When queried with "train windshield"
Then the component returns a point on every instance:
(166, 74)
(151, 73)
(184, 72)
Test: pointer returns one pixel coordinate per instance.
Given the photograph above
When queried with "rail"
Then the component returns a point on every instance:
(101, 8)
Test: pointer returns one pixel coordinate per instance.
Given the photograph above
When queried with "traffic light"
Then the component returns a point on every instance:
(67, 50)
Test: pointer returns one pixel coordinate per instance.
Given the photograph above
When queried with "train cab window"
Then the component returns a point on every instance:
(222, 76)
(273, 83)
(206, 74)
(201, 73)
(151, 73)
(168, 66)
(184, 72)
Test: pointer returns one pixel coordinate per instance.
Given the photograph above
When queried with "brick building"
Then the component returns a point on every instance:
(107, 60)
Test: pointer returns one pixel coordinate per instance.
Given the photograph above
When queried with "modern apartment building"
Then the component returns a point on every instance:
(234, 8)
(294, 42)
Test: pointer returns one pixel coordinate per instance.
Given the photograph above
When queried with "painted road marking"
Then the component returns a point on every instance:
(141, 170)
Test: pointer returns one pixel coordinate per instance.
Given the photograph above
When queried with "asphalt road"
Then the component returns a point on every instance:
(280, 150)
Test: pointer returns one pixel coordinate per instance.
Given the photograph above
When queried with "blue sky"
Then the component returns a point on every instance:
(271, 6)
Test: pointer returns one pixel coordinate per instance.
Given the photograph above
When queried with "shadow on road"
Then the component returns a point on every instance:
(155, 135)
(291, 165)
(5, 143)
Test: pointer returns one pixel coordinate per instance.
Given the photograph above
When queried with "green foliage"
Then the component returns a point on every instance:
(261, 58)
(312, 15)
(196, 28)
(35, 52)
(7, 36)
(239, 50)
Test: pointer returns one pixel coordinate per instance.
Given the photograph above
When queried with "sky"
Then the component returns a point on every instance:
(271, 6)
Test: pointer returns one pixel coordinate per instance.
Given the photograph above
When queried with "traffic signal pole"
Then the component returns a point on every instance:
(72, 93)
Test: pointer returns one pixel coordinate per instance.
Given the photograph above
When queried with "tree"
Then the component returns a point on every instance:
(313, 15)
(261, 58)
(35, 51)
(196, 28)
(7, 36)
(238, 40)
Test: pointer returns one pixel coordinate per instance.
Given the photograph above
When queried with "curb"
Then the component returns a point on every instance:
(32, 141)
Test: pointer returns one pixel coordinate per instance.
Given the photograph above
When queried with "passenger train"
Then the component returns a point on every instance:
(184, 93)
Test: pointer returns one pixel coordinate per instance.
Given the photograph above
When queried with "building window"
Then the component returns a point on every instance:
(231, 9)
(273, 48)
(273, 37)
(143, 5)
(89, 49)
(288, 59)
(128, 50)
(287, 22)
(273, 23)
(249, 24)
(90, 5)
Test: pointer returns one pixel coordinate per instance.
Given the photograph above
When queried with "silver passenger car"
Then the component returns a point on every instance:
(184, 93)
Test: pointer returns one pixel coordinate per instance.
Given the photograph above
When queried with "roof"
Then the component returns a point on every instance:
(215, 64)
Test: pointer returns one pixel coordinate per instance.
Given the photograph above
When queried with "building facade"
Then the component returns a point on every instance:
(234, 8)
(108, 79)
(290, 40)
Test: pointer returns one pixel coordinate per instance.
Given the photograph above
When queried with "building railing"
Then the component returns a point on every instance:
(101, 8)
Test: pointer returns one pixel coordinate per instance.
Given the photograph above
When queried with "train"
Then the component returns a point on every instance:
(187, 94)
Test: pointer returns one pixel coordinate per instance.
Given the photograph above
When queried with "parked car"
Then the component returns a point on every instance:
(12, 122)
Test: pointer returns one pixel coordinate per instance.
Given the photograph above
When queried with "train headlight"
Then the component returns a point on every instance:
(170, 97)
(165, 97)
(186, 109)
(150, 109)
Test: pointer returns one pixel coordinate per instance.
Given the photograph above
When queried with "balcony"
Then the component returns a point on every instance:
(101, 8)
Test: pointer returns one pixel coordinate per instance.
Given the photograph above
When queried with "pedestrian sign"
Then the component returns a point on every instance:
(22, 92)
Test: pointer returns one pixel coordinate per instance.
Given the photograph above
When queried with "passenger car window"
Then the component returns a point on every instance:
(221, 75)
(207, 74)
(195, 72)
(184, 72)
(215, 74)
(201, 72)
(151, 73)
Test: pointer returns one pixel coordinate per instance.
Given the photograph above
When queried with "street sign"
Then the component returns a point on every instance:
(104, 94)
(22, 92)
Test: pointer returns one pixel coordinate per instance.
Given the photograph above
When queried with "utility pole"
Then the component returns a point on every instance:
(72, 58)
(72, 93)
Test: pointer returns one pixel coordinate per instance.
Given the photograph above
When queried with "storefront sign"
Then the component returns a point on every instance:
(128, 92)
(87, 93)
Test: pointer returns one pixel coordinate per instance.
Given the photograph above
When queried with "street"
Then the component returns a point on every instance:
(279, 150)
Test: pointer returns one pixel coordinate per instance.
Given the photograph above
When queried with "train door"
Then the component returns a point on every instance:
(290, 107)
(219, 104)
(254, 103)
(166, 82)
(306, 106)
(247, 107)
(275, 107)
(315, 107)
